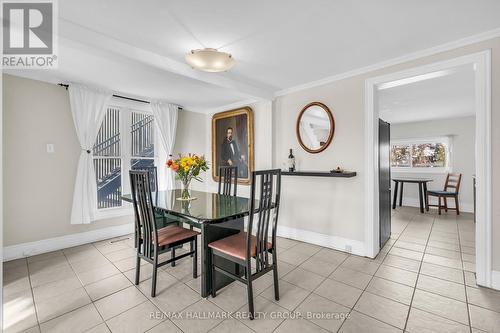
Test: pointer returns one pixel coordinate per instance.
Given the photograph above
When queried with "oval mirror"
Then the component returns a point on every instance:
(315, 127)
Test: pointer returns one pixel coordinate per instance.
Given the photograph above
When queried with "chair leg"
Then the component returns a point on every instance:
(248, 270)
(137, 270)
(456, 205)
(439, 205)
(155, 273)
(445, 204)
(212, 269)
(275, 275)
(195, 257)
(173, 256)
(191, 247)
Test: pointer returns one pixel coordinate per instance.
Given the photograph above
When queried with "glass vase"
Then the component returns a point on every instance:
(185, 190)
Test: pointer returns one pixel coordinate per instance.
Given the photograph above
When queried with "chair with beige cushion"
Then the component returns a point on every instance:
(258, 243)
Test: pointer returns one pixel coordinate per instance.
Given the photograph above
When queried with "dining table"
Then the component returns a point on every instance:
(422, 190)
(215, 215)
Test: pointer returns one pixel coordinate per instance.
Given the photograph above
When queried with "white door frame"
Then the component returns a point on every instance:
(482, 64)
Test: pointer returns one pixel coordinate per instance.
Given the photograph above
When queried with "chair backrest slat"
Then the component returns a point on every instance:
(153, 176)
(264, 214)
(453, 181)
(228, 177)
(146, 232)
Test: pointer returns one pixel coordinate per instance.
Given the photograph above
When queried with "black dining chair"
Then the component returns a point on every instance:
(241, 248)
(153, 176)
(228, 177)
(151, 241)
(160, 215)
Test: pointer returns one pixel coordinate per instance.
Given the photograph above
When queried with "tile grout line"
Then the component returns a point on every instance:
(77, 308)
(91, 301)
(374, 273)
(431, 292)
(147, 298)
(465, 285)
(312, 292)
(137, 288)
(32, 294)
(418, 274)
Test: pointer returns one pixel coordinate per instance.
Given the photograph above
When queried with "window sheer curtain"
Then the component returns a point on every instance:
(166, 122)
(88, 107)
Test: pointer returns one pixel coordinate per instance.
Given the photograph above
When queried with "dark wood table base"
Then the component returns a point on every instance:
(422, 191)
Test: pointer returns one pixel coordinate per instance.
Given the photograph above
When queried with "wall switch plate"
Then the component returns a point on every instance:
(348, 248)
(50, 148)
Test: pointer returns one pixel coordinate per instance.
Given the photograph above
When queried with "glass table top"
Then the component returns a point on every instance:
(206, 207)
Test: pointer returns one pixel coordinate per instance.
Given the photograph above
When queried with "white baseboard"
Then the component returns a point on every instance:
(333, 242)
(414, 202)
(495, 280)
(58, 243)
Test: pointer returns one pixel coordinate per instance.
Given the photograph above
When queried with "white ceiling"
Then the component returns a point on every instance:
(448, 96)
(137, 47)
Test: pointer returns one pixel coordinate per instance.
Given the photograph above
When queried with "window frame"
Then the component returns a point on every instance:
(446, 140)
(126, 110)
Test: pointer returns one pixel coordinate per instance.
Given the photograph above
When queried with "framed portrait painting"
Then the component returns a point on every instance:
(232, 142)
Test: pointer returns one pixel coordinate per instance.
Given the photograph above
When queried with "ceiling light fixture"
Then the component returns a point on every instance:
(210, 60)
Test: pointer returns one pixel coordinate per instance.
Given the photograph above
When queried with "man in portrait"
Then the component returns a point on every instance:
(231, 155)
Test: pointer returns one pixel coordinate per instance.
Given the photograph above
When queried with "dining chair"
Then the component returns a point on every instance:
(227, 176)
(241, 248)
(153, 176)
(151, 241)
(453, 181)
(165, 218)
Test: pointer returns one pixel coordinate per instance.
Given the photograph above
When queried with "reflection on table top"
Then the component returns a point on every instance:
(206, 207)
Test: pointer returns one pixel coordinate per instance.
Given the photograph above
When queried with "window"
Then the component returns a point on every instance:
(421, 155)
(142, 135)
(114, 153)
(107, 161)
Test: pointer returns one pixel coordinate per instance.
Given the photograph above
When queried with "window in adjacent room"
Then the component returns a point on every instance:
(421, 155)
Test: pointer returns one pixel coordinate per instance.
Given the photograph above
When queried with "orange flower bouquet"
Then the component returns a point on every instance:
(187, 168)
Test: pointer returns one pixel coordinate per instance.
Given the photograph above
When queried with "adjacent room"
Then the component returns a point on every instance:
(305, 166)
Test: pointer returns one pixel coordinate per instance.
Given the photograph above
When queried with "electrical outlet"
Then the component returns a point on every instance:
(50, 148)
(348, 248)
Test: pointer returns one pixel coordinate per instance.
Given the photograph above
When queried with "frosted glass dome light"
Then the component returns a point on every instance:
(210, 60)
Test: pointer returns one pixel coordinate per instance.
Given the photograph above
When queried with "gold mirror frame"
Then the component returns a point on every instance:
(330, 135)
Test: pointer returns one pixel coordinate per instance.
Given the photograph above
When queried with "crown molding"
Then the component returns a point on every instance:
(395, 61)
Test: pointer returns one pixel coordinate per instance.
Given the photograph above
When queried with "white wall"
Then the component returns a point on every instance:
(329, 210)
(462, 133)
(190, 135)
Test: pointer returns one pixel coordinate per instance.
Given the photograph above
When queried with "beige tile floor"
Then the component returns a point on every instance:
(422, 281)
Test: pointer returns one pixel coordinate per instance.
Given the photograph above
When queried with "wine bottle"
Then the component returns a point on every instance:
(291, 162)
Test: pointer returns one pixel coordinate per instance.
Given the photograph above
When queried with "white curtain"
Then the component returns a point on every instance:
(88, 106)
(166, 122)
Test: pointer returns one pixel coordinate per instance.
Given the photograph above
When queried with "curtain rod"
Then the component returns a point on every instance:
(118, 96)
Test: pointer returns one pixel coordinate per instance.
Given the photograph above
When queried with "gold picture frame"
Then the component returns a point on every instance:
(239, 139)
